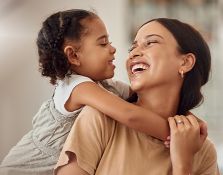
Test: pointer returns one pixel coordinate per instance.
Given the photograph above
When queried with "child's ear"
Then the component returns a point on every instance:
(188, 62)
(72, 56)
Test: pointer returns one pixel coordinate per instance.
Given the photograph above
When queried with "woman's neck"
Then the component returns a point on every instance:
(161, 101)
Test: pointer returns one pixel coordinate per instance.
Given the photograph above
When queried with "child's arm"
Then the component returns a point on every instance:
(133, 116)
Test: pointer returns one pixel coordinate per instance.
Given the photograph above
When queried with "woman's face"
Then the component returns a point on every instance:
(154, 59)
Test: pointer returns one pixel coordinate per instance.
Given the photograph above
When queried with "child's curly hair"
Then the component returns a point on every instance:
(55, 29)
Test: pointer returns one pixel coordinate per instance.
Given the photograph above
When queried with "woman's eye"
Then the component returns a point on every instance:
(131, 49)
(148, 43)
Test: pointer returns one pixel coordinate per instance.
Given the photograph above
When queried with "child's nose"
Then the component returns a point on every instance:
(113, 49)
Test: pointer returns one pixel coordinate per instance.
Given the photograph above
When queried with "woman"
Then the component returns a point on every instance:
(168, 63)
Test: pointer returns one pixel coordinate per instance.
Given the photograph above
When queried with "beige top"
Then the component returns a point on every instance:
(106, 147)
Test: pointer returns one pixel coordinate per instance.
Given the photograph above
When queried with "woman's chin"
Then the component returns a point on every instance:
(135, 86)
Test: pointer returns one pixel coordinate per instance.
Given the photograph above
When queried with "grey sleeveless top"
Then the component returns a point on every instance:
(38, 151)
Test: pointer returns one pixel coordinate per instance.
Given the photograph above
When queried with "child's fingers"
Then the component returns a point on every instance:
(167, 144)
(203, 131)
(168, 138)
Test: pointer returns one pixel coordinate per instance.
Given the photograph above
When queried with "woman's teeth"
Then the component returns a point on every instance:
(139, 68)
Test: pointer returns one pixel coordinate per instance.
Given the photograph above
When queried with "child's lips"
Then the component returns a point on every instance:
(110, 62)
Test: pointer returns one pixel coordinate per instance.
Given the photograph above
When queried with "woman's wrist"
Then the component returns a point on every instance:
(182, 172)
(185, 169)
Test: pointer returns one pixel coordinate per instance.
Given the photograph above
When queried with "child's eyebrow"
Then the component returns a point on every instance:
(102, 37)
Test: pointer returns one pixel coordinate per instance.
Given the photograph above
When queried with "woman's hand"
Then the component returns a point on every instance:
(186, 139)
(203, 130)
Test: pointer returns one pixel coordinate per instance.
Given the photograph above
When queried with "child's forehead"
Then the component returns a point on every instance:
(95, 28)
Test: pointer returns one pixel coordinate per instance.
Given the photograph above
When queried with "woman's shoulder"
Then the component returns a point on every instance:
(206, 158)
(92, 117)
(208, 146)
(207, 151)
(90, 113)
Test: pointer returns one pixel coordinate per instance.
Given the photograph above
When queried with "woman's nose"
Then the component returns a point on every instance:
(135, 53)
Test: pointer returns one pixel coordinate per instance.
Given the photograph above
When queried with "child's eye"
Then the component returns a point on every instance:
(105, 44)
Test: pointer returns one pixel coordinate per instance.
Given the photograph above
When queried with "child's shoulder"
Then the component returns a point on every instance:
(74, 78)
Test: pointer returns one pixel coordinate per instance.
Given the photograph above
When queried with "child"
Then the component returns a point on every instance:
(75, 53)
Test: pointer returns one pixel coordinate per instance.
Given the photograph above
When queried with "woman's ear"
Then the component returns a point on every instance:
(72, 56)
(188, 62)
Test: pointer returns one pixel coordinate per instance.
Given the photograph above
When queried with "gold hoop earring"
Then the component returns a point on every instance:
(182, 74)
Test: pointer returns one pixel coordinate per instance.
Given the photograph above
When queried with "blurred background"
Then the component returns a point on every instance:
(22, 89)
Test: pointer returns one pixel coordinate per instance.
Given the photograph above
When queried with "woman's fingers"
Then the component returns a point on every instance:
(179, 121)
(200, 125)
(187, 123)
(193, 120)
(172, 123)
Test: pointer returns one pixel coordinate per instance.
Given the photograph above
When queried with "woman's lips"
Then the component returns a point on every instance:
(139, 68)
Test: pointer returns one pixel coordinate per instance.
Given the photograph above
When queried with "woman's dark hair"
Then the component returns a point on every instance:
(55, 29)
(189, 41)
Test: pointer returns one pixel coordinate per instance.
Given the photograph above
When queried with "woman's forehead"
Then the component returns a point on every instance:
(150, 28)
(153, 28)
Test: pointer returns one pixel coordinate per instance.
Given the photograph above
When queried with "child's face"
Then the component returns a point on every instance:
(96, 54)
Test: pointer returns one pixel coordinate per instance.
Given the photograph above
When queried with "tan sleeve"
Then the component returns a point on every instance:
(209, 160)
(87, 140)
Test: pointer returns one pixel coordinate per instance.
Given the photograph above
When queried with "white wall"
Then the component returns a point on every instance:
(22, 89)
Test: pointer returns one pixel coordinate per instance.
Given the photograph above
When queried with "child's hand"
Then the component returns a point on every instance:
(167, 142)
(203, 130)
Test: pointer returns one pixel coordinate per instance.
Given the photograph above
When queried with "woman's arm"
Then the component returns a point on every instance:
(186, 140)
(138, 118)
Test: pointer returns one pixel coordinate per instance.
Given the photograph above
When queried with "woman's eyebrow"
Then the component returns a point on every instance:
(151, 35)
(148, 36)
(134, 42)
